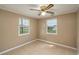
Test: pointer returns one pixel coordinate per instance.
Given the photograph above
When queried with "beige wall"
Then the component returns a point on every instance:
(78, 31)
(66, 29)
(9, 30)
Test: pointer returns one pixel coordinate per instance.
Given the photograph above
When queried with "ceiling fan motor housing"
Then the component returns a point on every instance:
(43, 8)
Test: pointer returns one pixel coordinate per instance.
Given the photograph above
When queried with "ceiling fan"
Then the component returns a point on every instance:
(44, 9)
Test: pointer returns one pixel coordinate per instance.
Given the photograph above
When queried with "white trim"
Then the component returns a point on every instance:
(51, 33)
(62, 45)
(15, 47)
(24, 34)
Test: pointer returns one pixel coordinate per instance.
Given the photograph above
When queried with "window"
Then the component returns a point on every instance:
(23, 26)
(51, 26)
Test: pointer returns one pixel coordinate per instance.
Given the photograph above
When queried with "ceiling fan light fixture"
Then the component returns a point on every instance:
(43, 13)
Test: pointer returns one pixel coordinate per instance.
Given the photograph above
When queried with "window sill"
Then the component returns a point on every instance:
(51, 33)
(24, 34)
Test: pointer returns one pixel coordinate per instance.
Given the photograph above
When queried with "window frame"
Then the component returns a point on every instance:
(19, 34)
(47, 27)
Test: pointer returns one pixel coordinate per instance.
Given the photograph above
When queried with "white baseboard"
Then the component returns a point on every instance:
(62, 45)
(15, 47)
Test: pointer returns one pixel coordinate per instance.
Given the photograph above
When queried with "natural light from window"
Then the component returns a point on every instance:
(23, 26)
(52, 26)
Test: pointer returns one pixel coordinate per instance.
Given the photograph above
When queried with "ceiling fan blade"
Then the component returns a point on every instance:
(50, 12)
(49, 6)
(34, 9)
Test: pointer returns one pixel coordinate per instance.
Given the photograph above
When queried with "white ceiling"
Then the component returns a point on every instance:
(23, 9)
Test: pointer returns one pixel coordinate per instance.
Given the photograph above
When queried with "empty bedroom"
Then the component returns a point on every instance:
(39, 29)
